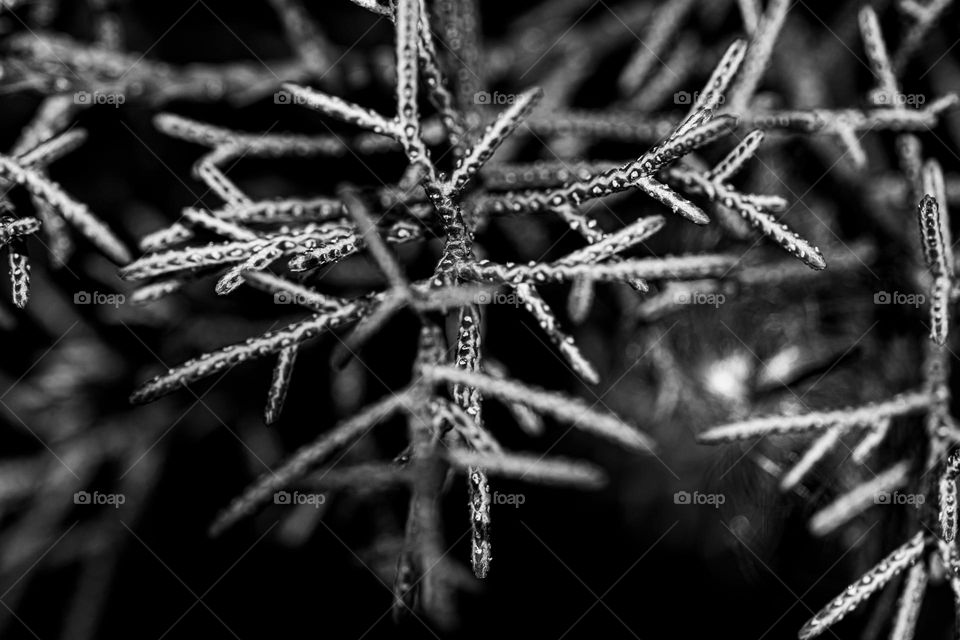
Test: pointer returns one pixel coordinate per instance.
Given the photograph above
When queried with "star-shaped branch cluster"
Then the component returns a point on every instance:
(466, 170)
(443, 403)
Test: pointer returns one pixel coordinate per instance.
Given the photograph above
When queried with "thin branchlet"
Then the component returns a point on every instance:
(911, 599)
(865, 415)
(898, 560)
(939, 257)
(374, 243)
(569, 410)
(72, 211)
(493, 136)
(873, 438)
(879, 58)
(758, 54)
(282, 372)
(309, 457)
(664, 23)
(530, 468)
(548, 322)
(854, 502)
(257, 347)
(670, 268)
(947, 497)
(340, 109)
(19, 266)
(814, 454)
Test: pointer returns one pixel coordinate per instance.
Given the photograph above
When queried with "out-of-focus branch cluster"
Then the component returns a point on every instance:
(468, 171)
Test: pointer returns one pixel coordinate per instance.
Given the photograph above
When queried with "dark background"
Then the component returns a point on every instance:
(622, 562)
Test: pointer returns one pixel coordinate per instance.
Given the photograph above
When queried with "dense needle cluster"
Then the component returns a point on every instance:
(444, 431)
(467, 168)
